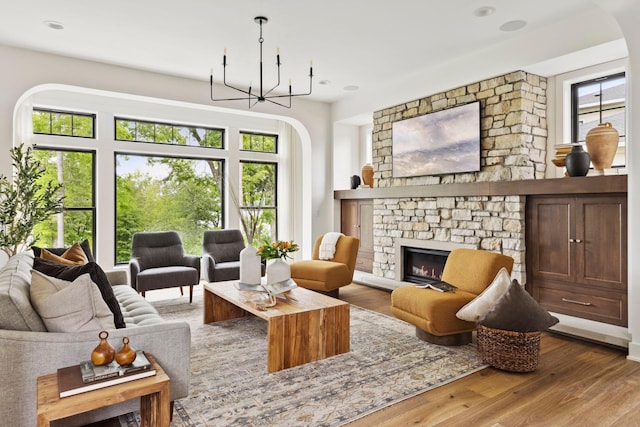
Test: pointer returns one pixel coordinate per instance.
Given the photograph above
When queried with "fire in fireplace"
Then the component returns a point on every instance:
(423, 265)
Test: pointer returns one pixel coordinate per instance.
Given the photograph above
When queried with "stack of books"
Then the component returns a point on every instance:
(86, 376)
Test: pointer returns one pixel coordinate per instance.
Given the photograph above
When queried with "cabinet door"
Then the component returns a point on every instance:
(550, 232)
(601, 242)
(349, 218)
(366, 225)
(357, 221)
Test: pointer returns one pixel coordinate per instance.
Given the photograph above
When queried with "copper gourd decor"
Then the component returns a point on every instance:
(126, 355)
(602, 144)
(103, 354)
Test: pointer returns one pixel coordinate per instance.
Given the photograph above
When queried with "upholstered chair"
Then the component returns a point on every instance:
(221, 255)
(327, 276)
(433, 313)
(158, 261)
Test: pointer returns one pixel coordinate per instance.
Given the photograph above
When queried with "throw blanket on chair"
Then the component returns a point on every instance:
(328, 244)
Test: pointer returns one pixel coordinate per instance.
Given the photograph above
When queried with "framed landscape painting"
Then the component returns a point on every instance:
(447, 141)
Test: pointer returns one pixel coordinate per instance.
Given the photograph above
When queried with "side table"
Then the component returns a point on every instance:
(153, 393)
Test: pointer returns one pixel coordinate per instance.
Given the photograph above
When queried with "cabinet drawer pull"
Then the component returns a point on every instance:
(575, 241)
(576, 302)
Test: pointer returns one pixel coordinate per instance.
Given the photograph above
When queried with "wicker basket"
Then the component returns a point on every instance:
(507, 350)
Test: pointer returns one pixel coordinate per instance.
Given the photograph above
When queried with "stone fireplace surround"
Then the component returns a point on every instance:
(513, 140)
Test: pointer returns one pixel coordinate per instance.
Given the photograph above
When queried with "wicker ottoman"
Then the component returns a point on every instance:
(508, 350)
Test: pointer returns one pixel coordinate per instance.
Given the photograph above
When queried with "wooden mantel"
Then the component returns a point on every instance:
(575, 185)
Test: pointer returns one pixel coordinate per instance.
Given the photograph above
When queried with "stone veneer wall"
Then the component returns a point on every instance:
(513, 140)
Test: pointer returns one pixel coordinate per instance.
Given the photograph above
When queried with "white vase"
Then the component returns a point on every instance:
(250, 267)
(278, 271)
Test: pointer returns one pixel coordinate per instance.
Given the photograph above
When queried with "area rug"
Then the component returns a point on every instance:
(230, 385)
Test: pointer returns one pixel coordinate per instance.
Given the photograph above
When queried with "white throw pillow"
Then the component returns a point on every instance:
(480, 305)
(69, 306)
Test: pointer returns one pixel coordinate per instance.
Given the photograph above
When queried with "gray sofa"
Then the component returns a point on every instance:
(27, 351)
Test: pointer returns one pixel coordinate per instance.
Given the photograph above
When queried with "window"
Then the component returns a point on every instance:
(51, 122)
(76, 171)
(258, 207)
(258, 142)
(155, 193)
(167, 133)
(597, 101)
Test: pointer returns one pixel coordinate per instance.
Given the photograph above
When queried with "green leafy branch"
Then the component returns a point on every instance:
(25, 201)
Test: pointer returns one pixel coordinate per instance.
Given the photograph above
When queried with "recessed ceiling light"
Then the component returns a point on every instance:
(513, 25)
(484, 11)
(54, 25)
(351, 88)
(325, 82)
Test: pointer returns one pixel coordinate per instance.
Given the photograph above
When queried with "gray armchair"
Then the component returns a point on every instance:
(221, 255)
(158, 261)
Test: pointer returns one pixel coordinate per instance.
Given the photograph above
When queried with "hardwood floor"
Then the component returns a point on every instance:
(576, 383)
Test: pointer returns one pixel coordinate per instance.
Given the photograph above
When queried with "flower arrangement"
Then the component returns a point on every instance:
(278, 249)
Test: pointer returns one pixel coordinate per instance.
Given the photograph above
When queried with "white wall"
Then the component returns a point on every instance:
(626, 12)
(23, 70)
(346, 155)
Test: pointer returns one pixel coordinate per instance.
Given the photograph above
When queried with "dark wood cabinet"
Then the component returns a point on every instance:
(356, 219)
(577, 255)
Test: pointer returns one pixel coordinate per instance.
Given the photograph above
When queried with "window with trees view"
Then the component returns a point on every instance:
(258, 142)
(52, 122)
(76, 171)
(167, 133)
(258, 209)
(597, 101)
(155, 193)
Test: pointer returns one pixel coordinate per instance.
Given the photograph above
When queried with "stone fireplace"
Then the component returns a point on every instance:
(513, 139)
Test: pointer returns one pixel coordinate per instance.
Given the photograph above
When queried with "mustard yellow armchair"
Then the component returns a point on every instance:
(433, 313)
(327, 276)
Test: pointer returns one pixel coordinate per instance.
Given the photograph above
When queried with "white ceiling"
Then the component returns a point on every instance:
(351, 42)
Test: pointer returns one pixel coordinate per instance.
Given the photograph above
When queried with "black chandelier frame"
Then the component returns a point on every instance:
(261, 96)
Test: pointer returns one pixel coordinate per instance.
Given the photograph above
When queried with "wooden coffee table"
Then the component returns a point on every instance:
(307, 326)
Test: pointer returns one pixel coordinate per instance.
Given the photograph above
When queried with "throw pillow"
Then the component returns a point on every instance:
(98, 277)
(59, 251)
(69, 306)
(517, 311)
(478, 307)
(72, 256)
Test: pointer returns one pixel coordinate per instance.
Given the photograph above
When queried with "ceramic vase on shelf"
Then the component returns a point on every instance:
(250, 267)
(355, 182)
(577, 161)
(277, 271)
(367, 175)
(602, 144)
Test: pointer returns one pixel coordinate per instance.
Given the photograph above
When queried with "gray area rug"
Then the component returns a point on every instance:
(230, 385)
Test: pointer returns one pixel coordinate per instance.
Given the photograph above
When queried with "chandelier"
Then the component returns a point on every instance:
(260, 96)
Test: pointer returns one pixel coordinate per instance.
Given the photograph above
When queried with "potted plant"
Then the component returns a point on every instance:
(25, 201)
